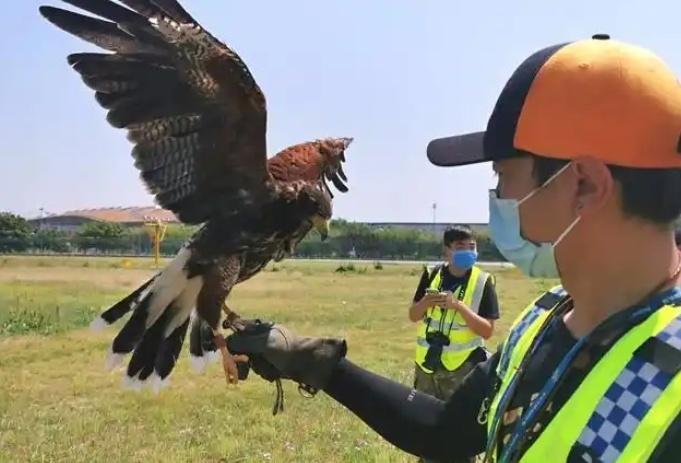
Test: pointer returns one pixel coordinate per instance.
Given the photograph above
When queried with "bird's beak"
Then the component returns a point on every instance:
(322, 226)
(347, 141)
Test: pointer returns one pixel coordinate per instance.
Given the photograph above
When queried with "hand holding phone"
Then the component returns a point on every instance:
(433, 297)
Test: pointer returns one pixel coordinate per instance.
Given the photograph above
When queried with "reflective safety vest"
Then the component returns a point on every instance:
(624, 405)
(462, 340)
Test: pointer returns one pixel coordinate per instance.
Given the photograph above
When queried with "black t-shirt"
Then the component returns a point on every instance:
(555, 346)
(489, 304)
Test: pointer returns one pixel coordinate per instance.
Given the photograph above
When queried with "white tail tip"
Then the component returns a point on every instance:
(113, 360)
(157, 384)
(198, 364)
(98, 324)
(132, 384)
(212, 356)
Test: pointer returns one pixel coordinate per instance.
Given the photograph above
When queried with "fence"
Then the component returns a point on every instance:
(347, 240)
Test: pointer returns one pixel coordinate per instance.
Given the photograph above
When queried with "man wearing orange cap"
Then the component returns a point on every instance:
(586, 141)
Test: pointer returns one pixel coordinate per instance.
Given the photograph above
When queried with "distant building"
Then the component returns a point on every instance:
(71, 221)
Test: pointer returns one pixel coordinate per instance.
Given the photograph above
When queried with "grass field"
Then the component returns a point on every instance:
(58, 404)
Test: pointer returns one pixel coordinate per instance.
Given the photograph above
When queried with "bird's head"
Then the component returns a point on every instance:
(316, 205)
(333, 157)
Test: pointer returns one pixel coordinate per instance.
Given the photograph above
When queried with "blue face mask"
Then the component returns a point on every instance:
(535, 260)
(464, 259)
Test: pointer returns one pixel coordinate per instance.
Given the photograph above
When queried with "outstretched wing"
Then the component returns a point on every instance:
(191, 107)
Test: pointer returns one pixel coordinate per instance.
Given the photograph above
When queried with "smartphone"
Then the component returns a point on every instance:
(432, 291)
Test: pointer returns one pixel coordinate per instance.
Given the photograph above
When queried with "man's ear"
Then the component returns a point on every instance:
(595, 185)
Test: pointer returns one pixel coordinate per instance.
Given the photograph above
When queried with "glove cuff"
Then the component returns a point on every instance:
(327, 355)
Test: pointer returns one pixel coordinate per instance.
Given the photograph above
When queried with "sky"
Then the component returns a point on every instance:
(393, 74)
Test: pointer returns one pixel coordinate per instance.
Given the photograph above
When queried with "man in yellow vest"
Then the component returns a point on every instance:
(454, 306)
(586, 141)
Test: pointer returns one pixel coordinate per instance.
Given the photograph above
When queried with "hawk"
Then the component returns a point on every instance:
(197, 120)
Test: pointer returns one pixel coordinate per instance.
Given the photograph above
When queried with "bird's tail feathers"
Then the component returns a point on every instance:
(154, 358)
(154, 350)
(122, 307)
(202, 348)
(155, 331)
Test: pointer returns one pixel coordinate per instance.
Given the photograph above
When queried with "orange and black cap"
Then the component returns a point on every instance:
(598, 97)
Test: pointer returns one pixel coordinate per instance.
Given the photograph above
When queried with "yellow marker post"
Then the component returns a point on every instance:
(157, 231)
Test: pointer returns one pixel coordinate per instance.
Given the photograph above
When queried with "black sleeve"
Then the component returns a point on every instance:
(669, 447)
(415, 422)
(489, 304)
(424, 282)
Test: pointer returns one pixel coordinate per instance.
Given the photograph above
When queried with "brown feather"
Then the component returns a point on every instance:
(314, 162)
(298, 162)
(189, 102)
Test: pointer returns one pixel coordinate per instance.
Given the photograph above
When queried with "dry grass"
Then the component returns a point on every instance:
(57, 403)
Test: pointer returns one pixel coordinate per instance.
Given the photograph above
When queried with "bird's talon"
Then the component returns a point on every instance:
(231, 371)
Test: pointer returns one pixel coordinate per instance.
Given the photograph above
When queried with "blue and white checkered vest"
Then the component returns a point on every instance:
(624, 405)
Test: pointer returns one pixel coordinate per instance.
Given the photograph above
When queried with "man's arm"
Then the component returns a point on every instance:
(416, 309)
(415, 422)
(481, 323)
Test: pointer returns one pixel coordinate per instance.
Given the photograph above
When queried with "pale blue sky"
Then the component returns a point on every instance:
(391, 73)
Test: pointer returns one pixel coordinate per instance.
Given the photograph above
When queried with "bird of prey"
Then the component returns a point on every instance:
(197, 120)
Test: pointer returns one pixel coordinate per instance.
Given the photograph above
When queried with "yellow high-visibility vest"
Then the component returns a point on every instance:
(462, 340)
(621, 409)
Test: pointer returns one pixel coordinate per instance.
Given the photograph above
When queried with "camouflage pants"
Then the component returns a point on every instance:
(442, 384)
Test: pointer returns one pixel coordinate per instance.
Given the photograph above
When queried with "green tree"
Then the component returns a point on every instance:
(15, 232)
(176, 235)
(102, 230)
(105, 236)
(51, 240)
(384, 243)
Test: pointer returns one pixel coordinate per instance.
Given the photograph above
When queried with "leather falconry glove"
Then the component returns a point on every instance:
(275, 353)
